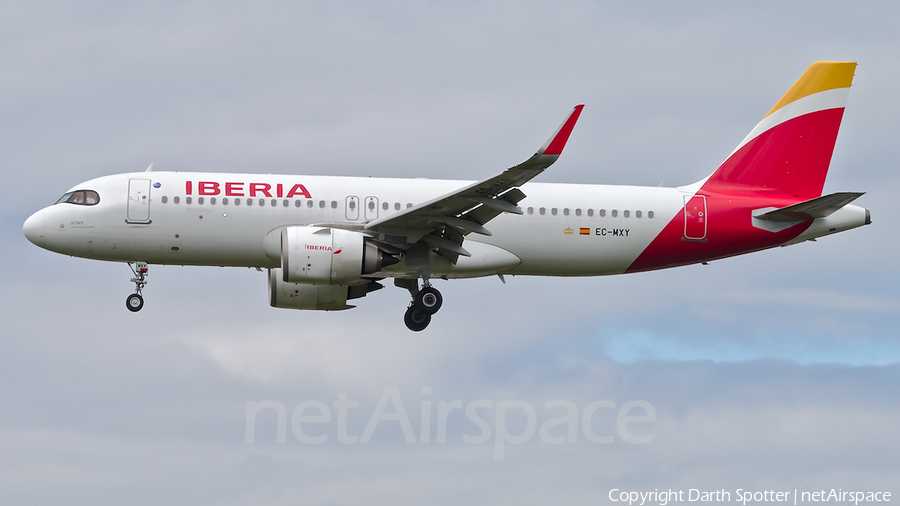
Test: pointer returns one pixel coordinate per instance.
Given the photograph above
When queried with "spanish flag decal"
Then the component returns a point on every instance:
(584, 231)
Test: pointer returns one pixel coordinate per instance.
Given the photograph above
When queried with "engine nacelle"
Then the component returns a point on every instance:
(288, 295)
(305, 296)
(327, 256)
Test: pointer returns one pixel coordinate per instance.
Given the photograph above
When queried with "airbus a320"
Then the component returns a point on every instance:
(328, 240)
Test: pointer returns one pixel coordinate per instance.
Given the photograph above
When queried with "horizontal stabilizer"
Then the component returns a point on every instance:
(819, 207)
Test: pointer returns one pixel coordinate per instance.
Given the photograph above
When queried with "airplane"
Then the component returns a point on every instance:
(327, 240)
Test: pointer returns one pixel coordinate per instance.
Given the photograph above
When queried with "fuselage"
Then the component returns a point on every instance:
(220, 219)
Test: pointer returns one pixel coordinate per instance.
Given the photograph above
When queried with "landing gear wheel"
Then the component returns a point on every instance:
(134, 302)
(415, 320)
(428, 301)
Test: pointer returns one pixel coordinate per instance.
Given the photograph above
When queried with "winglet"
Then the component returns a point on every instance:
(557, 142)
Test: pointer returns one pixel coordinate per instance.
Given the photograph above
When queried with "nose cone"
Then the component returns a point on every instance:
(34, 229)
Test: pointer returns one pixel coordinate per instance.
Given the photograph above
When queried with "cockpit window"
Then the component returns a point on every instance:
(80, 197)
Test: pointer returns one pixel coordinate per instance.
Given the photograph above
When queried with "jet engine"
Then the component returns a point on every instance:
(289, 295)
(329, 256)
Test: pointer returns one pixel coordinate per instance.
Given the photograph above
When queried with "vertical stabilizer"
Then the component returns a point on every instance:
(790, 150)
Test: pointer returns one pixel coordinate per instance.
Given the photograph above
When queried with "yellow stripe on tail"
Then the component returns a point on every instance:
(820, 76)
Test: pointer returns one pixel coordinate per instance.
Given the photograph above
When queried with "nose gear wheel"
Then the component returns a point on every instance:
(135, 301)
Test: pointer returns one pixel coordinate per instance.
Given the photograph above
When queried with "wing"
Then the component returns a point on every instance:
(442, 223)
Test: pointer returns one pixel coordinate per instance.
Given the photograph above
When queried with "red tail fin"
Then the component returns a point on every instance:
(790, 150)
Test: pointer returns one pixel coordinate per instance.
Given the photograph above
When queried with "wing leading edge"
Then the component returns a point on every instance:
(442, 223)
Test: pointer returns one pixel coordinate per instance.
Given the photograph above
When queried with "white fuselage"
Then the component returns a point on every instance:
(229, 228)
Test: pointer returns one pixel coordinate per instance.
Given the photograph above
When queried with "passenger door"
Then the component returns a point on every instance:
(695, 217)
(138, 201)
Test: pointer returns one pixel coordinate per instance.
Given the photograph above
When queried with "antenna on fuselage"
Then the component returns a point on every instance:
(150, 168)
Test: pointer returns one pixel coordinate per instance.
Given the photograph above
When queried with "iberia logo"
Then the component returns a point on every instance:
(337, 251)
(568, 231)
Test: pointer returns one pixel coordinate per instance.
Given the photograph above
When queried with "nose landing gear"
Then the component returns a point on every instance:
(135, 302)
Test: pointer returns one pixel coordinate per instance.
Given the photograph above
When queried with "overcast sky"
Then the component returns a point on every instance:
(774, 371)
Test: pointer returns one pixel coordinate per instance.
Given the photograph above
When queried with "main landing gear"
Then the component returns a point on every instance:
(135, 302)
(425, 302)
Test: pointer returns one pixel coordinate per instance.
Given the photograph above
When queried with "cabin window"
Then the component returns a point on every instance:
(602, 212)
(650, 214)
(396, 206)
(590, 212)
(224, 201)
(530, 210)
(637, 214)
(212, 201)
(199, 201)
(542, 211)
(626, 213)
(188, 200)
(297, 203)
(80, 197)
(285, 203)
(408, 205)
(176, 199)
(249, 202)
(165, 199)
(614, 213)
(385, 206)
(553, 211)
(309, 204)
(237, 202)
(334, 204)
(578, 212)
(566, 211)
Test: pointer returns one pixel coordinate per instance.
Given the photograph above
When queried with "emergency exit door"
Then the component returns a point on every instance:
(371, 208)
(352, 208)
